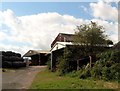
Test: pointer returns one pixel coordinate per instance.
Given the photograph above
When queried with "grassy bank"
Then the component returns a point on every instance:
(49, 80)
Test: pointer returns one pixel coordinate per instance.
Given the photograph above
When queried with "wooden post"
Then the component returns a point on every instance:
(90, 61)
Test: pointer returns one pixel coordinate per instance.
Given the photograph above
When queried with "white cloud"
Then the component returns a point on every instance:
(17, 49)
(42, 28)
(110, 28)
(39, 30)
(2, 36)
(104, 11)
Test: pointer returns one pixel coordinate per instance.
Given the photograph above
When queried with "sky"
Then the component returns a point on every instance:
(34, 25)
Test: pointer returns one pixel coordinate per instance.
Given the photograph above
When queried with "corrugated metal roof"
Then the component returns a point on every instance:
(34, 52)
(61, 43)
(65, 43)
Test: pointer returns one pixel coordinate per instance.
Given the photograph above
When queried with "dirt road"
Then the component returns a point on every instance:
(20, 78)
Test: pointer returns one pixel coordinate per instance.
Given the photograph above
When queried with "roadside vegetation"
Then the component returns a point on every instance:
(51, 80)
(107, 67)
(103, 73)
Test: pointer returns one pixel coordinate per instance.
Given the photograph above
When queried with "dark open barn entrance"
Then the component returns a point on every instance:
(77, 59)
(74, 63)
(37, 57)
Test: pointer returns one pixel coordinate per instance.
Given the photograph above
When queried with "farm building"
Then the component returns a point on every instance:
(58, 45)
(62, 37)
(117, 46)
(38, 57)
(63, 41)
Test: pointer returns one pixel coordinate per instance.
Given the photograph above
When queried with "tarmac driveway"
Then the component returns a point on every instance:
(20, 78)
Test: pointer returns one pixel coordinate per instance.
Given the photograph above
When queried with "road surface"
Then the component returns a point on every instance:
(20, 78)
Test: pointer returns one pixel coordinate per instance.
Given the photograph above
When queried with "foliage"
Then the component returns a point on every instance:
(82, 73)
(49, 80)
(96, 71)
(109, 57)
(85, 73)
(108, 66)
(73, 74)
(63, 62)
(49, 63)
(90, 35)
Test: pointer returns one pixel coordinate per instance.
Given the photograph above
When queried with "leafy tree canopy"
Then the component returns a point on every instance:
(90, 34)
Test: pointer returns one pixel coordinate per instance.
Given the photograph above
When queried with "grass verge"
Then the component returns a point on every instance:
(49, 80)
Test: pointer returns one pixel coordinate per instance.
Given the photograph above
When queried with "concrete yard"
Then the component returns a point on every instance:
(20, 78)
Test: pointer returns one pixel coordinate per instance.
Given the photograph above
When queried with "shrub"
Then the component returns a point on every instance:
(85, 73)
(74, 74)
(49, 63)
(115, 71)
(63, 62)
(106, 73)
(62, 66)
(96, 71)
(107, 66)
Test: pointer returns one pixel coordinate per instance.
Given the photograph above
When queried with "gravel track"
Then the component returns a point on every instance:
(20, 78)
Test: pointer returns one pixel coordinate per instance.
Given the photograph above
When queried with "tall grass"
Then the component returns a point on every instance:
(49, 80)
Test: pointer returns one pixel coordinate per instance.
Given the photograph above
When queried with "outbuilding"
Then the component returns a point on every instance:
(77, 59)
(38, 57)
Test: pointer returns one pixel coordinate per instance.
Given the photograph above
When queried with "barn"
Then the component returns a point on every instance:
(58, 45)
(38, 57)
(63, 41)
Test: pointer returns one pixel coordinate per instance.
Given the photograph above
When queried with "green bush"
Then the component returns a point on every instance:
(96, 71)
(63, 62)
(84, 72)
(62, 66)
(107, 67)
(109, 56)
(74, 73)
(115, 71)
(49, 63)
(106, 73)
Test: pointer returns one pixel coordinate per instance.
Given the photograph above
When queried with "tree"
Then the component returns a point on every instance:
(63, 62)
(109, 42)
(90, 35)
(91, 38)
